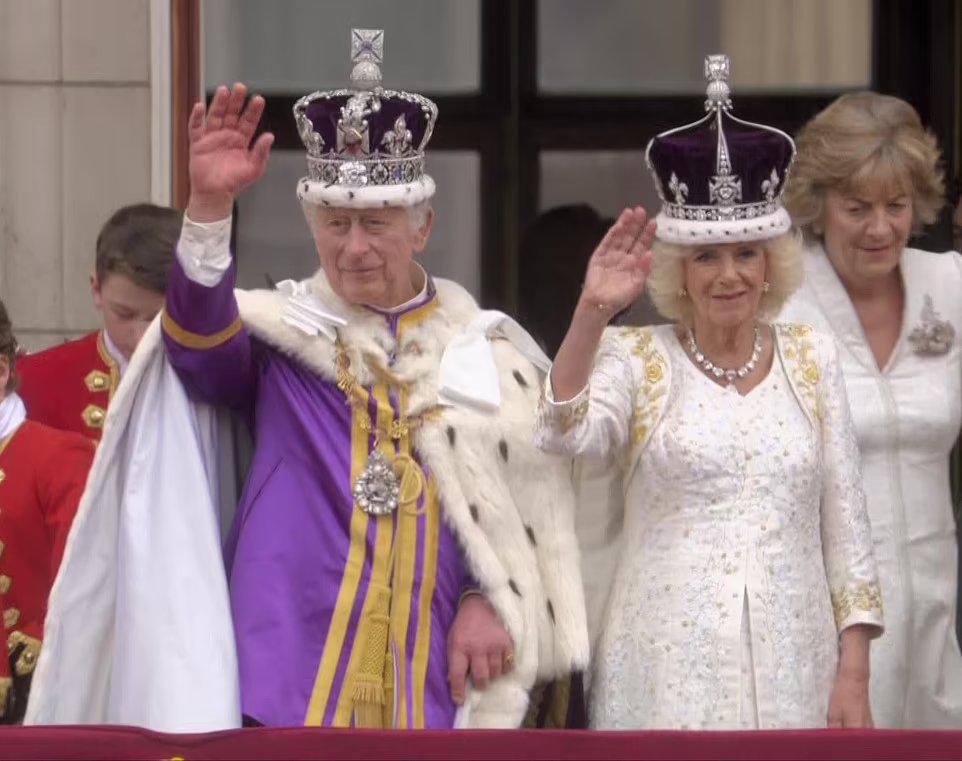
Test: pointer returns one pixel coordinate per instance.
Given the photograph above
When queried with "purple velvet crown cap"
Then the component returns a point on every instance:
(720, 178)
(365, 144)
(324, 114)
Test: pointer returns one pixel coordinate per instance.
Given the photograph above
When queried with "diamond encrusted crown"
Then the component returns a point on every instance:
(720, 178)
(365, 138)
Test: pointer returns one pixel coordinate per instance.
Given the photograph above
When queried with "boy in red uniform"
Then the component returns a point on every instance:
(69, 386)
(42, 475)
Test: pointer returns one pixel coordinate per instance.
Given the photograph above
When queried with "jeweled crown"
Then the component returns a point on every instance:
(720, 178)
(365, 144)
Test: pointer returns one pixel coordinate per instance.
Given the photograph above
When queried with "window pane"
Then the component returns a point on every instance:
(273, 240)
(297, 46)
(658, 46)
(607, 181)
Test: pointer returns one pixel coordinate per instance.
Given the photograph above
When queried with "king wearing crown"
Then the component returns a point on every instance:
(401, 554)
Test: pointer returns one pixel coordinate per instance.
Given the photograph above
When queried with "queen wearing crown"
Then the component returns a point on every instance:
(744, 591)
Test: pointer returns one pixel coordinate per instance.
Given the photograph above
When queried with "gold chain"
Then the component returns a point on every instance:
(356, 396)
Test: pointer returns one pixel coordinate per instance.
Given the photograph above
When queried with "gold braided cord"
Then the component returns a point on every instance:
(398, 428)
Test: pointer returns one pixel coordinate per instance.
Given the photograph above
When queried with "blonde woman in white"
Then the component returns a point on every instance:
(745, 594)
(866, 179)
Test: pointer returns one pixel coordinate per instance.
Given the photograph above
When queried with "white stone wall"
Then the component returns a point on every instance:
(75, 144)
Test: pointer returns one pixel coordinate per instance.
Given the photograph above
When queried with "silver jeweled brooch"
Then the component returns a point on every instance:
(376, 489)
(935, 335)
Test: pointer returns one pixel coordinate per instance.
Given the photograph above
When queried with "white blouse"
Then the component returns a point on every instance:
(907, 417)
(744, 525)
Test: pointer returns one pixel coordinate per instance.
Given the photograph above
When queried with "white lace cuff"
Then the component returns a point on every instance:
(204, 250)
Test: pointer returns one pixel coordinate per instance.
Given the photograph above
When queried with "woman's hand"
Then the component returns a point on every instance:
(615, 277)
(848, 705)
(222, 161)
(620, 264)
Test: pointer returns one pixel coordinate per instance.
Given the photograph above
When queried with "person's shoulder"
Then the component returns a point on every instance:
(933, 264)
(62, 357)
(45, 451)
(455, 302)
(639, 339)
(802, 345)
(789, 331)
(46, 438)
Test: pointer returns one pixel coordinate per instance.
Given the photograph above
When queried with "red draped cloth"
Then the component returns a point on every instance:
(104, 742)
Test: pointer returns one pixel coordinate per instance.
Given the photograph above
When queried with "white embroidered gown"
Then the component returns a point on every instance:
(744, 521)
(907, 417)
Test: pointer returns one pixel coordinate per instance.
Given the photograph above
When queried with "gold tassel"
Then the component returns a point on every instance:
(388, 710)
(368, 693)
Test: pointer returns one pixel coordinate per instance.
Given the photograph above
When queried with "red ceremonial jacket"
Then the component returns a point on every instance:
(69, 386)
(43, 472)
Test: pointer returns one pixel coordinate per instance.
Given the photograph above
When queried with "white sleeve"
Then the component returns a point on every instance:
(846, 533)
(597, 420)
(204, 250)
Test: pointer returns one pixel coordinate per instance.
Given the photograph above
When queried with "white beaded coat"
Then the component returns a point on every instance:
(745, 546)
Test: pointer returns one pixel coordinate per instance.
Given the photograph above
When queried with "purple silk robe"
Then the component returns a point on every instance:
(301, 557)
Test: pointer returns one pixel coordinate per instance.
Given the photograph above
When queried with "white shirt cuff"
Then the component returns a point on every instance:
(204, 250)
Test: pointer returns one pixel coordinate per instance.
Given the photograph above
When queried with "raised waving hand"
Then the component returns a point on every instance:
(615, 277)
(620, 264)
(222, 160)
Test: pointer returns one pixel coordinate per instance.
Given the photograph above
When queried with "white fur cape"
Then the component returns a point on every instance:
(138, 629)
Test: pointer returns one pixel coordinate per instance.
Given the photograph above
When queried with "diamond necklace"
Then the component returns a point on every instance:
(710, 368)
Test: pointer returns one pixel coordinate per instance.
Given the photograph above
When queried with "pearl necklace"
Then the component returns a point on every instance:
(711, 369)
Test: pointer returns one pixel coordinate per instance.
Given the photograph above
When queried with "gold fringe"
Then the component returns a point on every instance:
(369, 700)
(6, 687)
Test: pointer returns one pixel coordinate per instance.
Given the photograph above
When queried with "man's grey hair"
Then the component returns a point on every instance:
(418, 214)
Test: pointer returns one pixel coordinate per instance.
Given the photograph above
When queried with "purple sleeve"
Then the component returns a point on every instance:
(205, 340)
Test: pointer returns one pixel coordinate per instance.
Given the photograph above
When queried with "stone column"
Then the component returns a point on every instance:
(75, 144)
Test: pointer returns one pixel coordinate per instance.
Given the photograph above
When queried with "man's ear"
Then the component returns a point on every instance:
(422, 235)
(95, 289)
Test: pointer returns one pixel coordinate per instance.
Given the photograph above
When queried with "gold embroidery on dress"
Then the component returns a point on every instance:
(803, 364)
(866, 596)
(567, 417)
(29, 651)
(648, 396)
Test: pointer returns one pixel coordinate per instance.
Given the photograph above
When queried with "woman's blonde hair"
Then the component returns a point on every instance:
(864, 140)
(667, 279)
